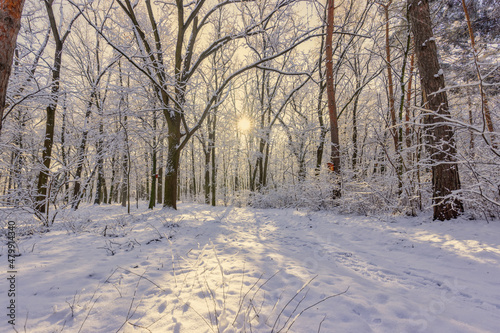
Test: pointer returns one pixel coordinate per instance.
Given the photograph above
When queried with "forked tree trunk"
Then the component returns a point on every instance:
(43, 177)
(445, 177)
(10, 23)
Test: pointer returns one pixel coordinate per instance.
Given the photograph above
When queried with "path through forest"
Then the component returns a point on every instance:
(229, 269)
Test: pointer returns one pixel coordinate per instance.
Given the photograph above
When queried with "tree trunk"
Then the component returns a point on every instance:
(41, 198)
(10, 23)
(445, 176)
(125, 169)
(43, 177)
(206, 186)
(471, 121)
(392, 108)
(484, 100)
(113, 194)
(323, 130)
(355, 120)
(330, 90)
(193, 173)
(408, 101)
(152, 198)
(64, 154)
(172, 164)
(319, 109)
(81, 156)
(101, 182)
(159, 189)
(263, 180)
(213, 184)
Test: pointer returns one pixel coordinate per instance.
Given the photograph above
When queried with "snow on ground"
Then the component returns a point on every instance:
(228, 269)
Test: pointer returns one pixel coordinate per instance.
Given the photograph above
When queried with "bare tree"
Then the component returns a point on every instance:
(484, 100)
(192, 18)
(59, 39)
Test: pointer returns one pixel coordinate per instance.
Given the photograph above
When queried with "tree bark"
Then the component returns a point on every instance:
(41, 198)
(125, 167)
(484, 100)
(43, 177)
(408, 102)
(330, 90)
(172, 164)
(81, 155)
(113, 193)
(213, 184)
(101, 181)
(207, 151)
(319, 109)
(445, 176)
(152, 197)
(10, 23)
(392, 108)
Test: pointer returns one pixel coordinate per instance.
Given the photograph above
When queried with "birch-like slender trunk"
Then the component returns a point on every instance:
(330, 90)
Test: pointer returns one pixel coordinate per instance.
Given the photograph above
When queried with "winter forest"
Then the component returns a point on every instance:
(157, 125)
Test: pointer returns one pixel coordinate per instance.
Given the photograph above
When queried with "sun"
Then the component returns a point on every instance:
(244, 125)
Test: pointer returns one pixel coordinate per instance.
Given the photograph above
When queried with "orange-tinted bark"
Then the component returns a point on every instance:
(10, 22)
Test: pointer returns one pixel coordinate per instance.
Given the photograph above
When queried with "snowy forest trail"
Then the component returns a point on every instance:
(228, 269)
(404, 270)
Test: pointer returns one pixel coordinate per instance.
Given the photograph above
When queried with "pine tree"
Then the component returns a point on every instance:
(441, 142)
(10, 23)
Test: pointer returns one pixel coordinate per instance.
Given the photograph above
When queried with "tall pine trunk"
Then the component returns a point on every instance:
(445, 177)
(10, 23)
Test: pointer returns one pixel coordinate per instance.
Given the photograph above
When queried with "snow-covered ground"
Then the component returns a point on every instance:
(228, 269)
